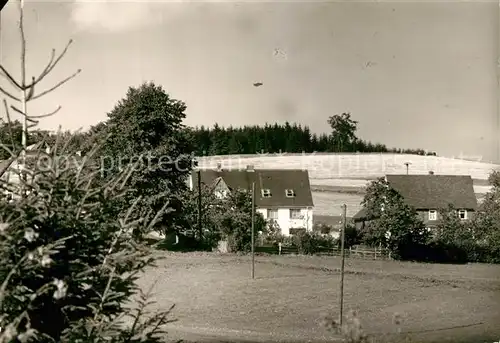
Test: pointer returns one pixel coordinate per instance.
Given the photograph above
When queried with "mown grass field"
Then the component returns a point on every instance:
(341, 178)
(216, 299)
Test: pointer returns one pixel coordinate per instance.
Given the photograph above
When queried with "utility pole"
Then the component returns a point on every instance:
(498, 106)
(253, 230)
(200, 230)
(342, 255)
(407, 164)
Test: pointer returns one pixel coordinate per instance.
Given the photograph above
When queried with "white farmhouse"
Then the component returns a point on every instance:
(282, 195)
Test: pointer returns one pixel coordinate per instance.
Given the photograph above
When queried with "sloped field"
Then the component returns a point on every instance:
(340, 178)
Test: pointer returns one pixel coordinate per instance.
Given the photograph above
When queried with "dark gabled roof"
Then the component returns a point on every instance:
(435, 191)
(424, 192)
(276, 180)
(361, 215)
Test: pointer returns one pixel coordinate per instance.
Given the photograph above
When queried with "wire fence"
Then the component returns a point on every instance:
(352, 252)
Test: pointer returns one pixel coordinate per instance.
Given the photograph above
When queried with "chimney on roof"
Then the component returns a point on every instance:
(431, 172)
(219, 166)
(250, 168)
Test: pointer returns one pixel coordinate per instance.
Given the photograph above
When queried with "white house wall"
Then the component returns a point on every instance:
(285, 223)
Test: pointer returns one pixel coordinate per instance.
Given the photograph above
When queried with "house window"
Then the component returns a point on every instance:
(266, 193)
(290, 193)
(221, 194)
(295, 213)
(432, 215)
(272, 214)
(462, 214)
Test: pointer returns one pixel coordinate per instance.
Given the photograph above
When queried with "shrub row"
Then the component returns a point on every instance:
(309, 243)
(439, 251)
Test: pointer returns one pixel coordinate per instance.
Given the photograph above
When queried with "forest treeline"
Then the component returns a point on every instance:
(289, 138)
(218, 140)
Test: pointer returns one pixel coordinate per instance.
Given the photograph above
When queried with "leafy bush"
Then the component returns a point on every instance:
(236, 221)
(69, 261)
(457, 241)
(309, 243)
(224, 219)
(306, 243)
(352, 331)
(351, 236)
(396, 226)
(322, 228)
(272, 234)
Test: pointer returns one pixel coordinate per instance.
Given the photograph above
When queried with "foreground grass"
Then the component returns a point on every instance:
(214, 295)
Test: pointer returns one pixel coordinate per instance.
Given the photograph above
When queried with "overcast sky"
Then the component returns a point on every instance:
(414, 74)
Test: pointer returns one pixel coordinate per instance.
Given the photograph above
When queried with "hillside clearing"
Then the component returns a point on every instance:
(338, 179)
(333, 166)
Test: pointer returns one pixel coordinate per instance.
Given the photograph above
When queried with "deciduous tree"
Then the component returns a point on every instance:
(343, 130)
(228, 218)
(395, 225)
(146, 129)
(486, 222)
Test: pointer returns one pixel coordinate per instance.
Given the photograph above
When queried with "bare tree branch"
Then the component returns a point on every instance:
(9, 95)
(46, 70)
(10, 78)
(9, 123)
(31, 89)
(45, 115)
(52, 64)
(9, 151)
(55, 87)
(17, 110)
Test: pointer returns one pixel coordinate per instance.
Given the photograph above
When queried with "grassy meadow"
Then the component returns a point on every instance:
(341, 178)
(217, 301)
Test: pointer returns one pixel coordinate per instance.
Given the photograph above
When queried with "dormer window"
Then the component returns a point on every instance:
(462, 214)
(432, 215)
(290, 193)
(266, 193)
(221, 194)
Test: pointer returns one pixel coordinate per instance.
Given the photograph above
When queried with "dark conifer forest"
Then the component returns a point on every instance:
(289, 138)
